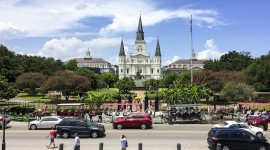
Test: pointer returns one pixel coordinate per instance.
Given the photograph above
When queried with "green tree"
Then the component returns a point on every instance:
(233, 61)
(10, 66)
(92, 76)
(237, 92)
(97, 99)
(71, 65)
(31, 80)
(185, 93)
(67, 82)
(125, 84)
(152, 85)
(109, 78)
(46, 66)
(258, 73)
(169, 79)
(8, 90)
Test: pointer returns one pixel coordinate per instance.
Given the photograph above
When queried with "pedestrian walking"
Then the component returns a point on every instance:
(124, 143)
(77, 143)
(52, 135)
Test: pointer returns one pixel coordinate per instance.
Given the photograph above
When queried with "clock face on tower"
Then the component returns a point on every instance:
(139, 47)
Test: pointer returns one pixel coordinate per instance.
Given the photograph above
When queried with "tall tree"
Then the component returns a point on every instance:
(71, 65)
(258, 73)
(151, 85)
(92, 76)
(125, 84)
(169, 79)
(9, 66)
(109, 78)
(233, 61)
(47, 66)
(8, 90)
(237, 92)
(67, 82)
(31, 80)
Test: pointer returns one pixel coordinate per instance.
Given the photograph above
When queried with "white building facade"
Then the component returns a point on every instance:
(140, 65)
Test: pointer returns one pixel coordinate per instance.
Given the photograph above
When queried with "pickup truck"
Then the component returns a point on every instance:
(260, 121)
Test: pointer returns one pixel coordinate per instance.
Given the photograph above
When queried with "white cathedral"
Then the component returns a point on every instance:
(140, 66)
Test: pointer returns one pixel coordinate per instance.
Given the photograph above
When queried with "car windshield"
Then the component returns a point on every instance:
(223, 124)
(263, 117)
(89, 123)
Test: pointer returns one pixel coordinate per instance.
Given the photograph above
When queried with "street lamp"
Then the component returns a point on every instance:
(119, 98)
(146, 99)
(4, 131)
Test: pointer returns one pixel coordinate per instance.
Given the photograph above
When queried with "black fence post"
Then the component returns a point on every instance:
(61, 146)
(140, 146)
(100, 146)
(218, 146)
(178, 146)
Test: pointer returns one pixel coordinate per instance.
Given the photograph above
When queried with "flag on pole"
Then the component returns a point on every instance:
(190, 25)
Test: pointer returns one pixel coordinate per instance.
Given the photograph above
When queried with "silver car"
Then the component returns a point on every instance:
(45, 122)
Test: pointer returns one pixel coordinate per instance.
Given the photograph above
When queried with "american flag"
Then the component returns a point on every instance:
(190, 24)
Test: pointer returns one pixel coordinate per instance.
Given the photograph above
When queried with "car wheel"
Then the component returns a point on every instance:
(33, 127)
(259, 135)
(94, 134)
(143, 126)
(119, 126)
(262, 147)
(65, 134)
(55, 126)
(260, 126)
(225, 147)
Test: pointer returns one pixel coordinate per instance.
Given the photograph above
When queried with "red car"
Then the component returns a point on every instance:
(141, 120)
(260, 121)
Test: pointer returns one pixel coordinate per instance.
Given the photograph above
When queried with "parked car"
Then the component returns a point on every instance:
(45, 122)
(84, 128)
(235, 139)
(236, 125)
(141, 120)
(7, 120)
(260, 121)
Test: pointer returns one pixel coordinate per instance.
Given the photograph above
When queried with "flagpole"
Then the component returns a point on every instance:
(191, 45)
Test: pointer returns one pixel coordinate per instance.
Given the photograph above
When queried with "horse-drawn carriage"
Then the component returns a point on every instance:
(184, 113)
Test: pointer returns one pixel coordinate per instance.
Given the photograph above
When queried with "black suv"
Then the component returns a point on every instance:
(235, 139)
(84, 128)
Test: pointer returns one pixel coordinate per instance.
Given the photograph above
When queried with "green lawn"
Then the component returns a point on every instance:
(36, 98)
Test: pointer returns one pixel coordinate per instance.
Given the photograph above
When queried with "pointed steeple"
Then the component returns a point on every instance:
(158, 53)
(122, 50)
(140, 33)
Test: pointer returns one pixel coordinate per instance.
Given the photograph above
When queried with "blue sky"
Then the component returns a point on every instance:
(65, 29)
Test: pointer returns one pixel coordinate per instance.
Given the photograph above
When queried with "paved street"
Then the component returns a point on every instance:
(161, 137)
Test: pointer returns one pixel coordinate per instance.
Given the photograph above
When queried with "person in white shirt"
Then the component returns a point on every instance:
(77, 143)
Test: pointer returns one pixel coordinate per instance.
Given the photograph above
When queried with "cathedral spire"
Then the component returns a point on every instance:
(140, 33)
(158, 53)
(122, 50)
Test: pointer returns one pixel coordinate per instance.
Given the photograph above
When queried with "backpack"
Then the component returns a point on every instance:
(126, 144)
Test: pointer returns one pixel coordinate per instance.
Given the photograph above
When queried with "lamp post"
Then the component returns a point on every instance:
(146, 100)
(119, 98)
(157, 101)
(130, 98)
(4, 131)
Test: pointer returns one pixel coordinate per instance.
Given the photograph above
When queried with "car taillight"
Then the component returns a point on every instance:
(214, 139)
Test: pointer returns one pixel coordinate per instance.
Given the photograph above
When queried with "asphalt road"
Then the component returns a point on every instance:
(161, 137)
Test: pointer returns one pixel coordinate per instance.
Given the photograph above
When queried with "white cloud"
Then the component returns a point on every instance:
(211, 51)
(54, 17)
(65, 48)
(10, 31)
(175, 58)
